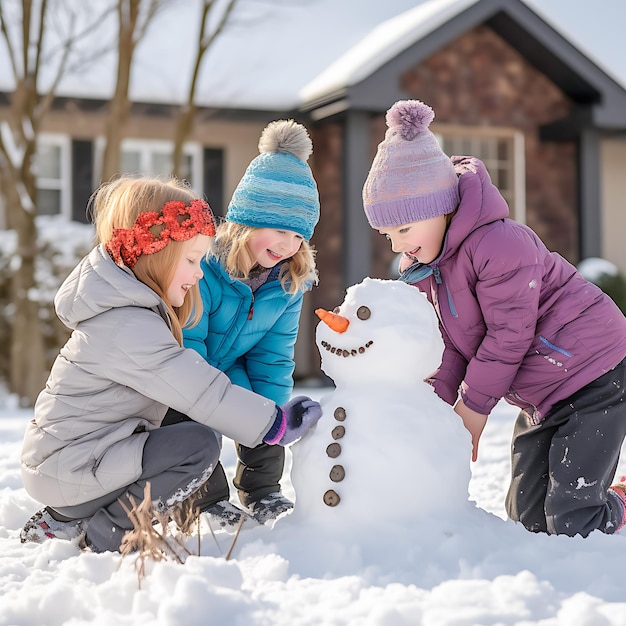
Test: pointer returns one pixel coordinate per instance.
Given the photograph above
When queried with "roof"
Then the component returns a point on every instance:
(366, 76)
(277, 55)
(381, 45)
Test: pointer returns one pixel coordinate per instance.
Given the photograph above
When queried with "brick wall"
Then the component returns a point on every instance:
(327, 167)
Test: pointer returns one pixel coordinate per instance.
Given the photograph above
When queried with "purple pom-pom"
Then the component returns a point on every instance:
(409, 118)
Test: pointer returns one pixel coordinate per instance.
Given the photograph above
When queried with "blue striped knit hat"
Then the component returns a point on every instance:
(278, 189)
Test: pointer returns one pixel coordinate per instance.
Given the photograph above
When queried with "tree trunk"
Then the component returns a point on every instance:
(187, 113)
(120, 104)
(183, 127)
(23, 40)
(28, 364)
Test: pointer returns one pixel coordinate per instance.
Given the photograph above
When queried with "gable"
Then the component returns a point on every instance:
(536, 41)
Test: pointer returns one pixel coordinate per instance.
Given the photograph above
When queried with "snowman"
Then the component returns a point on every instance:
(387, 452)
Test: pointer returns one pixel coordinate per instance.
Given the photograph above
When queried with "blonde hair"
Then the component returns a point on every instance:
(231, 247)
(117, 204)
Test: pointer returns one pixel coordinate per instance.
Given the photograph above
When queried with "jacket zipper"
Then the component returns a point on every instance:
(527, 407)
(553, 347)
(251, 311)
(439, 281)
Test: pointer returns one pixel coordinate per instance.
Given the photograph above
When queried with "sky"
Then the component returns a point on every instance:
(290, 43)
(419, 535)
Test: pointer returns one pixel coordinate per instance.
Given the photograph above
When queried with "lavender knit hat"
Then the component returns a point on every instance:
(411, 178)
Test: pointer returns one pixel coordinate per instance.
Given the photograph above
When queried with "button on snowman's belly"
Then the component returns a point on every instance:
(337, 472)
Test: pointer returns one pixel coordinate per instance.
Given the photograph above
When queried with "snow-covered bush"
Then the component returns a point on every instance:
(61, 245)
(607, 276)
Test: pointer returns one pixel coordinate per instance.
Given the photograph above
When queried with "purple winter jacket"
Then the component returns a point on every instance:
(518, 321)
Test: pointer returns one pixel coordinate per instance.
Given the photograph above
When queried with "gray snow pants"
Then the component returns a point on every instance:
(258, 472)
(177, 460)
(561, 469)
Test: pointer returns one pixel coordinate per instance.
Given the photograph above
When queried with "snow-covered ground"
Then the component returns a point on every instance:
(410, 551)
(506, 576)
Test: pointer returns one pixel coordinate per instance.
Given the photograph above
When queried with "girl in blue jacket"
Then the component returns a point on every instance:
(254, 279)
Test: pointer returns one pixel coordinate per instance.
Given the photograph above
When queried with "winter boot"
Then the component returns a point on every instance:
(42, 526)
(270, 507)
(224, 515)
(619, 489)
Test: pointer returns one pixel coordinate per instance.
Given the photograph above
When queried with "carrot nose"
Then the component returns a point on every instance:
(335, 322)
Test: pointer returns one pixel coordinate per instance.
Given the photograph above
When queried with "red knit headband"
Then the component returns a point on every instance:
(128, 244)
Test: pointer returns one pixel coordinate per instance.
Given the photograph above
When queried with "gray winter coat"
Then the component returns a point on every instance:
(114, 380)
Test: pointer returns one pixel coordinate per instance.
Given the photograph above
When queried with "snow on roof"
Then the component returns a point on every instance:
(393, 36)
(275, 54)
(383, 44)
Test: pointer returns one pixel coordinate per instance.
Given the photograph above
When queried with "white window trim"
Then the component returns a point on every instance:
(519, 158)
(146, 147)
(3, 215)
(519, 174)
(64, 183)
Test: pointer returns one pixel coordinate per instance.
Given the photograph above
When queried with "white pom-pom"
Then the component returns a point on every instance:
(286, 136)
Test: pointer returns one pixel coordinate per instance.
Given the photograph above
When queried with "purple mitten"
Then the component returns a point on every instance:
(296, 417)
(301, 413)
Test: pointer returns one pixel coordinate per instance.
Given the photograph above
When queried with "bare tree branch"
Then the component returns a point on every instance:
(27, 6)
(153, 8)
(39, 46)
(10, 49)
(130, 26)
(46, 102)
(96, 48)
(205, 40)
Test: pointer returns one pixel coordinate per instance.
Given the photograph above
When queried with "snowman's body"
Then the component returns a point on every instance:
(387, 450)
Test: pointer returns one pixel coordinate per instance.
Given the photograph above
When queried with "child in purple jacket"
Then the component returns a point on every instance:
(518, 322)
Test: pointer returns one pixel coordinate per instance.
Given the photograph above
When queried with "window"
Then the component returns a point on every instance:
(502, 152)
(154, 158)
(53, 161)
(52, 167)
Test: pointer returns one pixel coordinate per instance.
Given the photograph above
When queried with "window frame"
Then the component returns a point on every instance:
(64, 183)
(475, 134)
(147, 148)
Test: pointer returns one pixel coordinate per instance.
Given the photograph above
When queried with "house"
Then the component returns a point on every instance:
(505, 85)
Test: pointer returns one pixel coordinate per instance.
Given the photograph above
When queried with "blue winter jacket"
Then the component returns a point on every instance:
(250, 337)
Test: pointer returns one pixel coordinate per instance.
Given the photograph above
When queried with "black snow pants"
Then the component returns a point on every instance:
(561, 468)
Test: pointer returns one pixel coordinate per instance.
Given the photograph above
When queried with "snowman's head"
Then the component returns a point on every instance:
(384, 331)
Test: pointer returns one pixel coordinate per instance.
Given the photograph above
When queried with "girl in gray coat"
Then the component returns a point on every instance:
(95, 439)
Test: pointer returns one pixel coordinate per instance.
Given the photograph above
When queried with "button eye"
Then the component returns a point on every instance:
(363, 313)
